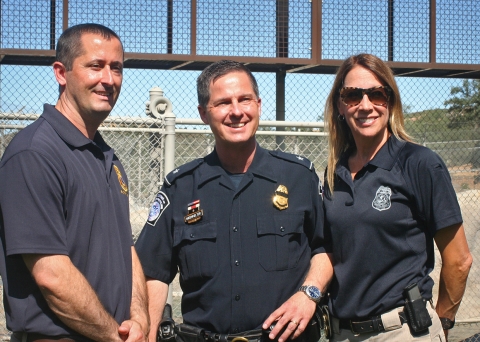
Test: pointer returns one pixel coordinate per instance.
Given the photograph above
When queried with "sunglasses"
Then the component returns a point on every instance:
(352, 96)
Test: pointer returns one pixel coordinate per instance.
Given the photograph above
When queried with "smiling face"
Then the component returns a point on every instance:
(233, 111)
(368, 122)
(91, 88)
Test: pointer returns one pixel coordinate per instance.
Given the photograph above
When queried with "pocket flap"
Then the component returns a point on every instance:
(195, 232)
(280, 224)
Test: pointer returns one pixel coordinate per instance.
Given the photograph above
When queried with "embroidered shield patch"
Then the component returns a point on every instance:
(159, 205)
(382, 198)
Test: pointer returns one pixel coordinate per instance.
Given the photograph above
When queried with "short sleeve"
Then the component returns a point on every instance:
(317, 237)
(155, 242)
(434, 194)
(31, 197)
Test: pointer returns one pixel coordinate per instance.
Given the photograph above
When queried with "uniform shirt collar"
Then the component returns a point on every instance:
(385, 157)
(388, 153)
(260, 166)
(67, 131)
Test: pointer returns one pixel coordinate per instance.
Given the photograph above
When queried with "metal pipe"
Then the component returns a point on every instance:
(52, 24)
(390, 29)
(169, 26)
(178, 121)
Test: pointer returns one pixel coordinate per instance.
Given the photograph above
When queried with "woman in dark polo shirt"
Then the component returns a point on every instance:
(386, 200)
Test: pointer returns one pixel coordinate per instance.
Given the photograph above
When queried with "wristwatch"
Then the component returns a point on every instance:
(312, 292)
(447, 324)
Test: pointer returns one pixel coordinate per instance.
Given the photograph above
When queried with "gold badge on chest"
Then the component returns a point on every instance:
(280, 200)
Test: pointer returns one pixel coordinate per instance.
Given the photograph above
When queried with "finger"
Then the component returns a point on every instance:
(274, 316)
(289, 330)
(125, 327)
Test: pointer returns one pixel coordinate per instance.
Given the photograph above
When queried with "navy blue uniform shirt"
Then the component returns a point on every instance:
(61, 193)
(244, 257)
(382, 225)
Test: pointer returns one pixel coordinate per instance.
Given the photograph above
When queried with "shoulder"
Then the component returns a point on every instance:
(415, 155)
(182, 171)
(292, 158)
(37, 138)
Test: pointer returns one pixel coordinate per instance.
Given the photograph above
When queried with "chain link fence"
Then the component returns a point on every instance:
(442, 113)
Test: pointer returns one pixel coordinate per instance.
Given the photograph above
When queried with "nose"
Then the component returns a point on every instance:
(365, 104)
(107, 76)
(235, 108)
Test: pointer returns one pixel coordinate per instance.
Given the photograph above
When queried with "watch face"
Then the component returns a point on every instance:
(313, 292)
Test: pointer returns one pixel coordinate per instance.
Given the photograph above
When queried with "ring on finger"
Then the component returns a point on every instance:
(294, 322)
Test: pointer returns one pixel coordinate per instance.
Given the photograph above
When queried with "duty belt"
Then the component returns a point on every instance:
(247, 336)
(368, 325)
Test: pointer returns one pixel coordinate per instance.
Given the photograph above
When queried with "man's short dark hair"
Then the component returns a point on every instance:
(216, 70)
(70, 46)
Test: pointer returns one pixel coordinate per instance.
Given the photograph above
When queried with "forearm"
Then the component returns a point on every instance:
(452, 284)
(139, 305)
(157, 297)
(456, 262)
(71, 298)
(321, 271)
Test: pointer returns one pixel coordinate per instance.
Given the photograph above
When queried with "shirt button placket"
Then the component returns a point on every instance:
(236, 260)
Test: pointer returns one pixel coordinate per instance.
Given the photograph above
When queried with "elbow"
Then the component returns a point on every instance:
(47, 283)
(467, 263)
(463, 265)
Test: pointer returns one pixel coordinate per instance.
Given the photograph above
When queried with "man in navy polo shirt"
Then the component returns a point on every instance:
(67, 261)
(244, 225)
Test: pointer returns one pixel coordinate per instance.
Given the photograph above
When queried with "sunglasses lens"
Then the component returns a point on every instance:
(378, 97)
(351, 97)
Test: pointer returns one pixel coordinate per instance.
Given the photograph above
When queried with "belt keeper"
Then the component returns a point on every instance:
(391, 320)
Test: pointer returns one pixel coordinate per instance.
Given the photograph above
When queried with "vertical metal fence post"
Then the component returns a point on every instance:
(160, 107)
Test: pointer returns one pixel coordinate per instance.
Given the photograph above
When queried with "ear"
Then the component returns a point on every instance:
(259, 102)
(203, 114)
(60, 73)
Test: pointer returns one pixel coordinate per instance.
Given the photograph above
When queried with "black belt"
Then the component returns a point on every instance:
(32, 337)
(372, 324)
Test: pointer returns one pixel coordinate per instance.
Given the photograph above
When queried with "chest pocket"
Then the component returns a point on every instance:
(281, 241)
(197, 250)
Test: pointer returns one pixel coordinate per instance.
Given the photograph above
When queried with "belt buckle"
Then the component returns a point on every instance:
(240, 339)
(355, 333)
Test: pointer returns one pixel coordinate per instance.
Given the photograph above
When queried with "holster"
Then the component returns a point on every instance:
(189, 333)
(166, 329)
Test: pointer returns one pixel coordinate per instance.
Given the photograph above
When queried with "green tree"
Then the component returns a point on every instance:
(464, 105)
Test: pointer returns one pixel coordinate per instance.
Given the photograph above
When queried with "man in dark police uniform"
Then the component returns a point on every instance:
(68, 265)
(244, 225)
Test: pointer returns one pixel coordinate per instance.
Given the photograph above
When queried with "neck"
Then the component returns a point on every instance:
(367, 149)
(87, 128)
(236, 159)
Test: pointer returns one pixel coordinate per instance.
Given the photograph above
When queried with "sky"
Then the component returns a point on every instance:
(243, 28)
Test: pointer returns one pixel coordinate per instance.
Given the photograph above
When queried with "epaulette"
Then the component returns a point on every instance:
(181, 170)
(293, 158)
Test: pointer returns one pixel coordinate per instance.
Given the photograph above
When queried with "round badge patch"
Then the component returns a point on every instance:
(160, 203)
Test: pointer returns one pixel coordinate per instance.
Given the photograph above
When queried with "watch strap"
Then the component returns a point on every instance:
(447, 324)
(304, 289)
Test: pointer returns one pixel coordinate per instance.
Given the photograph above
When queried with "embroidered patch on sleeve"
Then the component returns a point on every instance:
(159, 205)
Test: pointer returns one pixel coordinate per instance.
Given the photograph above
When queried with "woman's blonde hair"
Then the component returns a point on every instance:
(340, 138)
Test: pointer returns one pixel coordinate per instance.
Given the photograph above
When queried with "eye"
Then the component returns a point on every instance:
(378, 97)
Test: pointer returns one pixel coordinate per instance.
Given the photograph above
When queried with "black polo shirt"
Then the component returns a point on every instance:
(244, 257)
(61, 193)
(382, 226)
